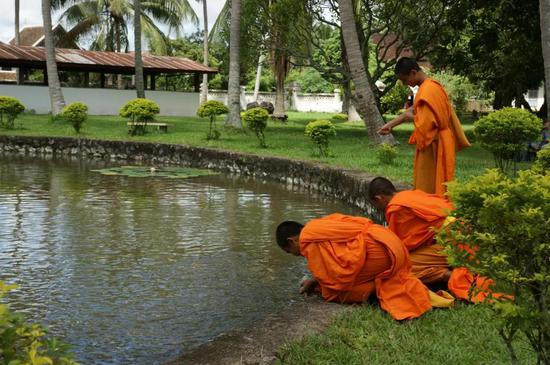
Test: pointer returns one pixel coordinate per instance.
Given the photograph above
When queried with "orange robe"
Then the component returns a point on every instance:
(413, 216)
(351, 257)
(437, 134)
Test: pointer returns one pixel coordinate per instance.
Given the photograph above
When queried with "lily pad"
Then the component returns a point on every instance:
(145, 171)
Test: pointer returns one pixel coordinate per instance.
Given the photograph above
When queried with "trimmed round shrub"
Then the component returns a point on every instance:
(139, 111)
(320, 131)
(211, 109)
(339, 118)
(10, 108)
(386, 154)
(256, 120)
(76, 114)
(506, 133)
(542, 163)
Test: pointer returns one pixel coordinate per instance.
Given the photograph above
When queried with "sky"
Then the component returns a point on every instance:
(30, 14)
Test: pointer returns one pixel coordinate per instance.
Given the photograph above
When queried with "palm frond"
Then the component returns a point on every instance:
(221, 20)
(153, 34)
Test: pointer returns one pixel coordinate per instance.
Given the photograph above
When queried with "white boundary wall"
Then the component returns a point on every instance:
(330, 103)
(103, 101)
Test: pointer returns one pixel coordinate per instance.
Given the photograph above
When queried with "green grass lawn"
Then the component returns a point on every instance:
(465, 334)
(351, 147)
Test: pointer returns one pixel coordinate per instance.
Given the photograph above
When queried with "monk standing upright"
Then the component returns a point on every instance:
(351, 257)
(414, 216)
(437, 130)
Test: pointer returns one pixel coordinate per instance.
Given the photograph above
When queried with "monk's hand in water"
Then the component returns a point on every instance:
(308, 286)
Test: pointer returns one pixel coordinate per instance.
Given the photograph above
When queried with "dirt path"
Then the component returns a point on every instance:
(259, 344)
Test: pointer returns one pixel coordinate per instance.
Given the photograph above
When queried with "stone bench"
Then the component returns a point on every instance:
(163, 127)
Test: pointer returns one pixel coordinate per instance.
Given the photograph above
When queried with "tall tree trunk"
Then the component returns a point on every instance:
(16, 37)
(16, 34)
(279, 56)
(346, 84)
(258, 77)
(204, 91)
(503, 98)
(521, 102)
(234, 90)
(541, 113)
(346, 99)
(280, 68)
(544, 10)
(138, 60)
(365, 100)
(56, 95)
(118, 49)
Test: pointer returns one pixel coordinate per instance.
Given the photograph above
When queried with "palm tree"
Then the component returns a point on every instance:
(234, 90)
(16, 36)
(56, 95)
(106, 21)
(204, 91)
(138, 60)
(365, 100)
(544, 9)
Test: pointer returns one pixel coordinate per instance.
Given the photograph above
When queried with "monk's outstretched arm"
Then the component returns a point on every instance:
(406, 116)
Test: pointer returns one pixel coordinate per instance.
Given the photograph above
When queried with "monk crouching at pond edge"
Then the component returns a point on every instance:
(351, 258)
(415, 216)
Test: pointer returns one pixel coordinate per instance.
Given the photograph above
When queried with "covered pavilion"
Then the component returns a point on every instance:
(83, 62)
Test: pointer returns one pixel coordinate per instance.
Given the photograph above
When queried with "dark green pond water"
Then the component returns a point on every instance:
(140, 270)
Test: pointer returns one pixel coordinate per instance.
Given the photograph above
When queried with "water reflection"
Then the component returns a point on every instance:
(134, 271)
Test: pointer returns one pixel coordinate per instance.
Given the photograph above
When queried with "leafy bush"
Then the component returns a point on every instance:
(341, 117)
(505, 222)
(394, 99)
(267, 80)
(386, 154)
(23, 343)
(76, 114)
(10, 108)
(211, 109)
(140, 111)
(256, 120)
(319, 132)
(310, 81)
(460, 90)
(542, 163)
(506, 133)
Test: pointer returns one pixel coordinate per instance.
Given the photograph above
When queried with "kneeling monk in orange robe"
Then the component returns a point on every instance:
(351, 257)
(414, 216)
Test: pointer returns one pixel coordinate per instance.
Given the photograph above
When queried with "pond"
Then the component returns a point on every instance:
(140, 270)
